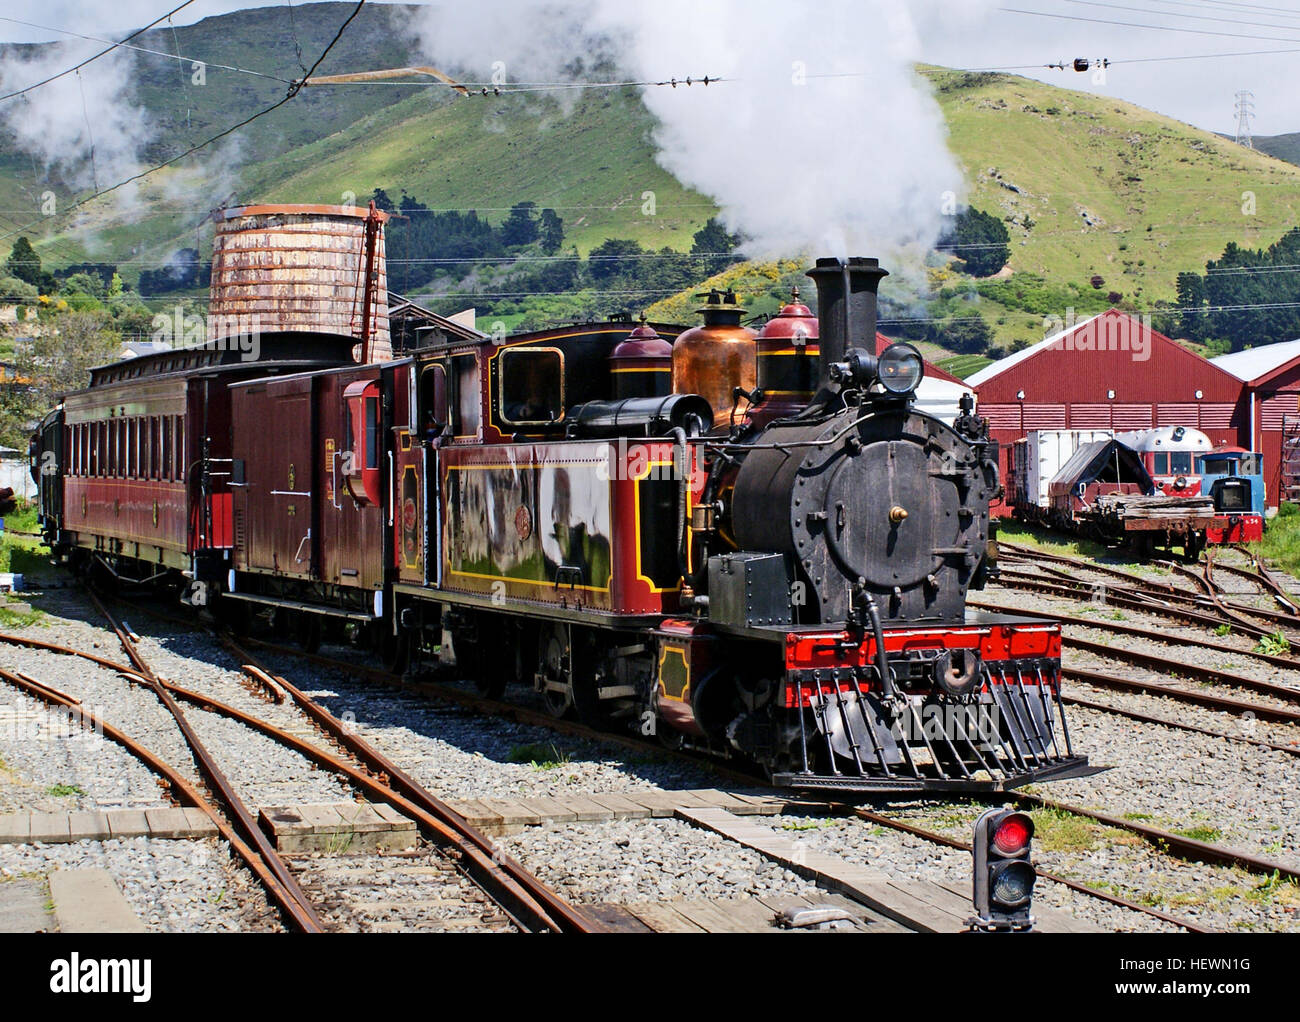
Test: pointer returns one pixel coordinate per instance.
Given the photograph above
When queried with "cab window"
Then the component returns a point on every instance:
(1180, 461)
(1160, 463)
(532, 386)
(433, 401)
(465, 398)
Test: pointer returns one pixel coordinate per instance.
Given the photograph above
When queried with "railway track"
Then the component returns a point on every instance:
(464, 698)
(1139, 593)
(528, 902)
(287, 892)
(375, 788)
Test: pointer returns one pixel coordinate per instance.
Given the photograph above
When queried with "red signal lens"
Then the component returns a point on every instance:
(1013, 834)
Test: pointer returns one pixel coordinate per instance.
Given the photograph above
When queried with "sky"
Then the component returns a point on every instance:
(977, 34)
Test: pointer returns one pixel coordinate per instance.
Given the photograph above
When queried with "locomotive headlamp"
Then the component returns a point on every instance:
(901, 368)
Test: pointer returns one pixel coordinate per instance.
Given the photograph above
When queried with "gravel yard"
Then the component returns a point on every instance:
(1219, 791)
(628, 861)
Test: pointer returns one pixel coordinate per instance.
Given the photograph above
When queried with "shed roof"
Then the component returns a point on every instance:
(1110, 351)
(1003, 364)
(1254, 364)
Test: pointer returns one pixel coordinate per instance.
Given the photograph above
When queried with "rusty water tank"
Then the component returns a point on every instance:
(788, 364)
(642, 364)
(716, 357)
(298, 269)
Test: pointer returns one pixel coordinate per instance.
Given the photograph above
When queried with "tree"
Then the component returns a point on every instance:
(982, 242)
(1191, 302)
(382, 201)
(58, 361)
(714, 243)
(520, 227)
(83, 284)
(24, 263)
(968, 335)
(17, 292)
(612, 259)
(552, 231)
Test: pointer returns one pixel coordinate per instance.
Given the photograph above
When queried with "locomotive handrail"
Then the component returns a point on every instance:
(392, 486)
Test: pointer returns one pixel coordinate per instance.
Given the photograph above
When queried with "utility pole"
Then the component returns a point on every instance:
(1245, 111)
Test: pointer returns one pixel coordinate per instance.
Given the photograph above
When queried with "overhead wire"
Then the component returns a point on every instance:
(294, 88)
(178, 56)
(91, 59)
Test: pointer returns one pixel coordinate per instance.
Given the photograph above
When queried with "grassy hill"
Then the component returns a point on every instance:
(1088, 186)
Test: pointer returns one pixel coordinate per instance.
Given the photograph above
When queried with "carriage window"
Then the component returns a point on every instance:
(361, 414)
(532, 386)
(372, 432)
(182, 467)
(167, 471)
(122, 456)
(1180, 461)
(465, 399)
(155, 448)
(1160, 463)
(132, 448)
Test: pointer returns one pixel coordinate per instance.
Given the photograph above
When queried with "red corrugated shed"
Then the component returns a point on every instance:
(1270, 376)
(1109, 372)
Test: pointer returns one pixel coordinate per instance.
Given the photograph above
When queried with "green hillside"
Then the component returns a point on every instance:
(1109, 188)
(1089, 187)
(1283, 147)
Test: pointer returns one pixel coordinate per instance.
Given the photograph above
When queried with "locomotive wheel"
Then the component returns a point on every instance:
(493, 664)
(395, 650)
(585, 675)
(307, 631)
(555, 670)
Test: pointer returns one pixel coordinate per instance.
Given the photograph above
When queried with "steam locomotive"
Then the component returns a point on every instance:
(752, 545)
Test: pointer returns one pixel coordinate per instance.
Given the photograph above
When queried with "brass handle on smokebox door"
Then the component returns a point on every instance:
(897, 514)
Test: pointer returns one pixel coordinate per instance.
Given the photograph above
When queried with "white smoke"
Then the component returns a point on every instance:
(821, 140)
(84, 129)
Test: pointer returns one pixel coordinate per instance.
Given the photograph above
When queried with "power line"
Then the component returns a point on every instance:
(177, 56)
(76, 67)
(1225, 5)
(1175, 14)
(293, 91)
(1158, 28)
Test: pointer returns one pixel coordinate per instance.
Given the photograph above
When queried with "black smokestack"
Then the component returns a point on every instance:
(846, 307)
